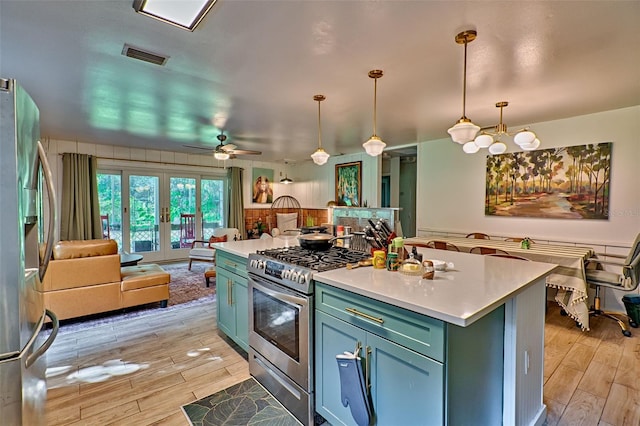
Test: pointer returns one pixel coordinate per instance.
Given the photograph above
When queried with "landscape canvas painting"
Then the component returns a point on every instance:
(562, 183)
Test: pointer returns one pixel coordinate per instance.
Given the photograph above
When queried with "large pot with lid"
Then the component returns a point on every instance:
(318, 241)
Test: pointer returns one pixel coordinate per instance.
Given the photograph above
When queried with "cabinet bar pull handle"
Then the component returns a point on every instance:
(229, 290)
(367, 365)
(362, 314)
(234, 265)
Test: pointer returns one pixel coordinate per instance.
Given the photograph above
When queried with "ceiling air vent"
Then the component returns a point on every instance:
(144, 55)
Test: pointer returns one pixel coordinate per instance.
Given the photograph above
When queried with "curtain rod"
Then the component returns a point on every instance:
(146, 161)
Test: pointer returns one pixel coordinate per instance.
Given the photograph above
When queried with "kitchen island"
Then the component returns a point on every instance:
(484, 313)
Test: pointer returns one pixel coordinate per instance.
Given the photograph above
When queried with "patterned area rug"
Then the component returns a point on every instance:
(246, 403)
(187, 288)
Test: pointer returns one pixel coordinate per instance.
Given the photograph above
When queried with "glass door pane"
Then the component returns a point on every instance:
(144, 216)
(183, 211)
(211, 205)
(110, 200)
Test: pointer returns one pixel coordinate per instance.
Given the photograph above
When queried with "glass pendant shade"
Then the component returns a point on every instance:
(320, 157)
(484, 140)
(531, 146)
(497, 148)
(470, 147)
(524, 138)
(374, 146)
(463, 131)
(221, 155)
(286, 180)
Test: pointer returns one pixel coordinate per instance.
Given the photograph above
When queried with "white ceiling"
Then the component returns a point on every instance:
(257, 64)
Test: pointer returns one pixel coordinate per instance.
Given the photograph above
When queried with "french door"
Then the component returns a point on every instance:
(159, 214)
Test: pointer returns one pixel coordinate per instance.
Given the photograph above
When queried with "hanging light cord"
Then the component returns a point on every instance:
(319, 128)
(464, 81)
(375, 93)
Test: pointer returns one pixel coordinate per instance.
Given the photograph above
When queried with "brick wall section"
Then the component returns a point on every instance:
(318, 216)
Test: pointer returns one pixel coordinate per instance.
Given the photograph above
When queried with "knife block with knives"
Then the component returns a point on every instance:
(380, 236)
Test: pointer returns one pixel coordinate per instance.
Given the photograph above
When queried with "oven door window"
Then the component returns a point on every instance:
(277, 322)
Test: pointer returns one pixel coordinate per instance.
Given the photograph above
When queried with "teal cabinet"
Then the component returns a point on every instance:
(241, 297)
(333, 337)
(232, 298)
(421, 371)
(396, 375)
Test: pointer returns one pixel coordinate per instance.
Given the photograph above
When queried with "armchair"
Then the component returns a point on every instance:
(204, 251)
(625, 280)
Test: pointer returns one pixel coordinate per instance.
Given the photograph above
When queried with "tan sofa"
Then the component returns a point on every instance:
(84, 277)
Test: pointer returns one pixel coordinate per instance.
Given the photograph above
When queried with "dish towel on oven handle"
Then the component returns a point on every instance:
(353, 390)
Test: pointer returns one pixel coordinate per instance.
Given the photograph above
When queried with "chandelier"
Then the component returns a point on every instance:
(319, 157)
(374, 145)
(491, 137)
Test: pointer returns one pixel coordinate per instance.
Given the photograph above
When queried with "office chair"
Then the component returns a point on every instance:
(625, 280)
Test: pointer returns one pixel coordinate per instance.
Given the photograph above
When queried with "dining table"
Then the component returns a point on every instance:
(568, 277)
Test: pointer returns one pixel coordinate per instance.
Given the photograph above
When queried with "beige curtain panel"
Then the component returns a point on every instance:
(236, 202)
(80, 219)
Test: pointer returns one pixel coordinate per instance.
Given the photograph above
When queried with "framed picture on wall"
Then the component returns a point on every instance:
(262, 187)
(570, 182)
(349, 183)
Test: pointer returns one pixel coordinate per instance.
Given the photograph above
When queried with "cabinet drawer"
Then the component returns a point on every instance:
(231, 262)
(418, 332)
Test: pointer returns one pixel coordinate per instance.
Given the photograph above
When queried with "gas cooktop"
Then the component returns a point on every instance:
(318, 261)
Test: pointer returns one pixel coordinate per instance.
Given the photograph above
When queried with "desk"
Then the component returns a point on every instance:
(568, 278)
(127, 259)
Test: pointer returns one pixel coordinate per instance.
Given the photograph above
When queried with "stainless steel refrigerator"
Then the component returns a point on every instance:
(25, 184)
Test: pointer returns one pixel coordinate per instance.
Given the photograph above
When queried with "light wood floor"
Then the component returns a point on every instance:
(142, 371)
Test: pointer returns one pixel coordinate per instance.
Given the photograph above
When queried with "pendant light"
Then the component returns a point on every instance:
(286, 180)
(464, 130)
(374, 145)
(319, 157)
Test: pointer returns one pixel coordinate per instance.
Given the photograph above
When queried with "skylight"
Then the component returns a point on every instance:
(184, 14)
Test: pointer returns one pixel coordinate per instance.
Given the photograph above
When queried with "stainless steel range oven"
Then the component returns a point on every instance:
(281, 321)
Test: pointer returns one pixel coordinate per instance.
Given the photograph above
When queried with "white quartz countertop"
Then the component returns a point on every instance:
(245, 247)
(474, 287)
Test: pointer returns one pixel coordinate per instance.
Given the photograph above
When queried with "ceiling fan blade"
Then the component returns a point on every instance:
(207, 148)
(244, 152)
(228, 147)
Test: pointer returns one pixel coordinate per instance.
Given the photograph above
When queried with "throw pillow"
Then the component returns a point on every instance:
(287, 221)
(212, 240)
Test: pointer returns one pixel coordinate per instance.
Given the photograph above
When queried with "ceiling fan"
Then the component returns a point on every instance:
(224, 152)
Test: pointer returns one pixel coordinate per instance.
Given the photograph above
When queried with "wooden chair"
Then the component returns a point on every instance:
(441, 245)
(478, 236)
(508, 256)
(187, 229)
(486, 250)
(625, 280)
(202, 250)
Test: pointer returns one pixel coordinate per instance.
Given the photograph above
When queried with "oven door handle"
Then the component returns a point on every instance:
(280, 295)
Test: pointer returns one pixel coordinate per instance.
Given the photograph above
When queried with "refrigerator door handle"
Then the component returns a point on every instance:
(31, 359)
(52, 234)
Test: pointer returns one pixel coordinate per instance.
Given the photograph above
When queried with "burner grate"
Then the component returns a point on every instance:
(334, 258)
